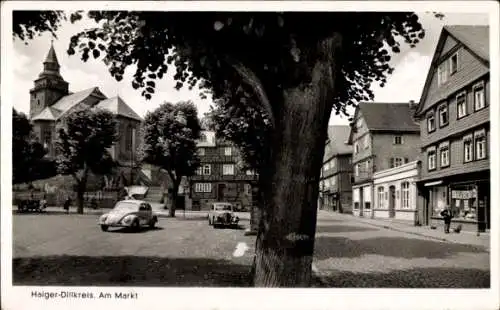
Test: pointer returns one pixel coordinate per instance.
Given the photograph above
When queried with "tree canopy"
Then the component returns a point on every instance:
(169, 141)
(82, 146)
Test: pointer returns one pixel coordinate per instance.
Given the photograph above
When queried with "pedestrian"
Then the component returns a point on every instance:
(67, 203)
(43, 202)
(447, 216)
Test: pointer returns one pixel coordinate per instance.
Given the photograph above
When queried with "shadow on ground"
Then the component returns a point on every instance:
(128, 271)
(410, 278)
(126, 230)
(342, 228)
(326, 247)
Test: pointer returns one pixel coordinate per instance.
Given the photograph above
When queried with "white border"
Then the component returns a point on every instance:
(195, 298)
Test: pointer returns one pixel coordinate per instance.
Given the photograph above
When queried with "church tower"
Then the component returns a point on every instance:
(49, 86)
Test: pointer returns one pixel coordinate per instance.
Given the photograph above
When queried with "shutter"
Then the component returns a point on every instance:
(406, 160)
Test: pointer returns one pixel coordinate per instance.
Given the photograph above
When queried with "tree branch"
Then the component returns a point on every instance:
(253, 81)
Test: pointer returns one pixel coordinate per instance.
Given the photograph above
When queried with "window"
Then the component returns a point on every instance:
(333, 163)
(203, 187)
(431, 158)
(405, 195)
(380, 196)
(201, 151)
(453, 63)
(248, 189)
(356, 170)
(228, 151)
(199, 171)
(206, 169)
(250, 172)
(396, 162)
(431, 123)
(468, 148)
(356, 148)
(228, 169)
(398, 140)
(443, 115)
(461, 105)
(444, 153)
(367, 166)
(203, 138)
(128, 138)
(480, 144)
(367, 141)
(442, 73)
(479, 102)
(333, 181)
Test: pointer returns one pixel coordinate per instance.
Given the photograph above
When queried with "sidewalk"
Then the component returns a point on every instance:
(464, 237)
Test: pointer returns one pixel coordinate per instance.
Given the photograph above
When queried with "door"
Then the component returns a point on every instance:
(220, 192)
(392, 200)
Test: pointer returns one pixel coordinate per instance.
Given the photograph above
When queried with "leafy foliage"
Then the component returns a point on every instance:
(27, 24)
(169, 138)
(83, 141)
(27, 153)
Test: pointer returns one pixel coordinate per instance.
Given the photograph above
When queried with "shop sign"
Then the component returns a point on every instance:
(463, 194)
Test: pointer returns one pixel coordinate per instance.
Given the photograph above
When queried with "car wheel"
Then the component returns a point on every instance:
(104, 227)
(135, 225)
(153, 222)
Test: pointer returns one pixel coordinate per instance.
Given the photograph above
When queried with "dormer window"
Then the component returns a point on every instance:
(443, 115)
(453, 63)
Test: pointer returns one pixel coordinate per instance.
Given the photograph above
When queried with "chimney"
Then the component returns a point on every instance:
(413, 108)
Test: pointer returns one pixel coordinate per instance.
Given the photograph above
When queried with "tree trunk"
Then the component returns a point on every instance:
(285, 242)
(173, 205)
(80, 192)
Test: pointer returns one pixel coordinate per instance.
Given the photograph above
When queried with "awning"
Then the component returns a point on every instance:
(433, 183)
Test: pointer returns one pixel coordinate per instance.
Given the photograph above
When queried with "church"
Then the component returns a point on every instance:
(51, 100)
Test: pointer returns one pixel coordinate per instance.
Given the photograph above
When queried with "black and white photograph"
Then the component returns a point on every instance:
(210, 154)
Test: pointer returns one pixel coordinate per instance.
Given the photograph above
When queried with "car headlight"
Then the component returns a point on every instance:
(128, 219)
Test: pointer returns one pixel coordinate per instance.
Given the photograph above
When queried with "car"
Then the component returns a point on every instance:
(130, 214)
(221, 214)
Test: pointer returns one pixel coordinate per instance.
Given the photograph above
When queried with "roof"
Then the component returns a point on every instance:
(51, 56)
(476, 38)
(338, 136)
(47, 114)
(117, 106)
(393, 116)
(69, 101)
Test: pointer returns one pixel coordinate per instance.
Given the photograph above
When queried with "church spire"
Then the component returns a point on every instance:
(51, 64)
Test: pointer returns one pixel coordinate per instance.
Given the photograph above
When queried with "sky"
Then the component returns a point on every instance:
(405, 84)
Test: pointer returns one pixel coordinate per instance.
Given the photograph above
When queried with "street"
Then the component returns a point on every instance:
(60, 249)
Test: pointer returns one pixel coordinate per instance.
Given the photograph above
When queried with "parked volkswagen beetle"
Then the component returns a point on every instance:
(221, 214)
(129, 213)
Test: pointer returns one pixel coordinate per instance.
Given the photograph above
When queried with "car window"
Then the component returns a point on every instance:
(142, 208)
(128, 206)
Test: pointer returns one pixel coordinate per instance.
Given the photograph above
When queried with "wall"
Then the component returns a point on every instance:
(384, 148)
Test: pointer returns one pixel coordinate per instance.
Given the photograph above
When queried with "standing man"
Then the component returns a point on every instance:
(447, 216)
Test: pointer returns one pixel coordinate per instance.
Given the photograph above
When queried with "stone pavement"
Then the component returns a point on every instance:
(464, 237)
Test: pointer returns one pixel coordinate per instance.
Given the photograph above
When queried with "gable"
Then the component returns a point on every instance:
(471, 44)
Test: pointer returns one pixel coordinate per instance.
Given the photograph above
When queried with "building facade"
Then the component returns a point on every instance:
(383, 136)
(395, 192)
(51, 100)
(336, 173)
(218, 178)
(455, 129)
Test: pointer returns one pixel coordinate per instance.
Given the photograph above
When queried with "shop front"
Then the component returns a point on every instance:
(362, 200)
(468, 200)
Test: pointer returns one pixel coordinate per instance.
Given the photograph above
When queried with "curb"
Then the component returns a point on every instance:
(419, 234)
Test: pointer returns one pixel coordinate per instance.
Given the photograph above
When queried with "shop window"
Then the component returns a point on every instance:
(203, 187)
(464, 202)
(461, 105)
(479, 102)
